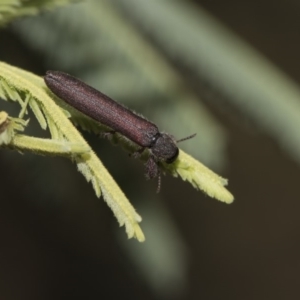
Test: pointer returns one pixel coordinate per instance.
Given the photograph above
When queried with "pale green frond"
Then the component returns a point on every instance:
(56, 134)
(48, 146)
(24, 106)
(33, 104)
(10, 93)
(200, 177)
(24, 83)
(189, 169)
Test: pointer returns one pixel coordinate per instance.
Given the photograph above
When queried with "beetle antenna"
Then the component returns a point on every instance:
(187, 138)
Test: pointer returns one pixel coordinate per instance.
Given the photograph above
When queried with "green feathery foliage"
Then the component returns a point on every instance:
(29, 90)
(21, 86)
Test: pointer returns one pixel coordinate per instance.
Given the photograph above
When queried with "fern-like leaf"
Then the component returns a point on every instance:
(16, 84)
(19, 84)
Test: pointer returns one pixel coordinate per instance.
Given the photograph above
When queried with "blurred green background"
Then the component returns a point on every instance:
(228, 71)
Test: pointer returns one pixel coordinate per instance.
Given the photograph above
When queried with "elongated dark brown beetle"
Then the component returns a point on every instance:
(120, 119)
